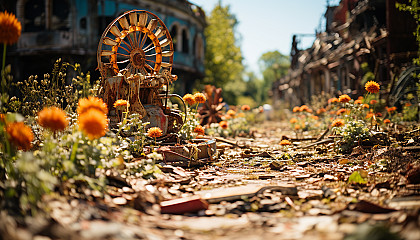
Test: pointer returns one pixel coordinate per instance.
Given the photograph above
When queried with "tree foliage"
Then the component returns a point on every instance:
(414, 9)
(223, 57)
(274, 66)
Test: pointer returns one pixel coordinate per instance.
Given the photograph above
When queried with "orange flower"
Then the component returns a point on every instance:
(199, 130)
(231, 113)
(2, 118)
(320, 111)
(189, 99)
(372, 102)
(154, 132)
(407, 104)
(344, 98)
(391, 109)
(338, 122)
(297, 127)
(315, 117)
(332, 100)
(332, 112)
(223, 124)
(93, 123)
(340, 111)
(121, 104)
(378, 114)
(293, 120)
(241, 114)
(20, 135)
(387, 121)
(360, 98)
(10, 28)
(304, 108)
(369, 115)
(86, 104)
(372, 87)
(200, 98)
(285, 142)
(245, 108)
(358, 101)
(53, 118)
(296, 109)
(365, 105)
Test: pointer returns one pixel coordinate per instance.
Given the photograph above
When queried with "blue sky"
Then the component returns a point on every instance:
(268, 25)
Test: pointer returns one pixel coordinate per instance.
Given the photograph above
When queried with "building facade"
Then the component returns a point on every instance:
(71, 29)
(360, 36)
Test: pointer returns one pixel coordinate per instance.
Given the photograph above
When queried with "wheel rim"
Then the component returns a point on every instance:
(137, 42)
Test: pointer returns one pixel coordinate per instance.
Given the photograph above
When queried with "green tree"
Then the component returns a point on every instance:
(274, 66)
(223, 58)
(413, 7)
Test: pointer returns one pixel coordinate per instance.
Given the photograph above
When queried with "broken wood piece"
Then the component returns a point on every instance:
(328, 140)
(368, 207)
(183, 205)
(235, 193)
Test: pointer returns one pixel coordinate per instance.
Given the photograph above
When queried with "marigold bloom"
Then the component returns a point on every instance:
(199, 130)
(241, 115)
(20, 135)
(154, 132)
(297, 127)
(296, 109)
(338, 122)
(372, 102)
(391, 109)
(245, 108)
(86, 104)
(93, 123)
(315, 117)
(358, 101)
(365, 105)
(223, 124)
(407, 104)
(378, 114)
(200, 98)
(304, 108)
(360, 98)
(332, 100)
(2, 118)
(10, 28)
(320, 111)
(121, 104)
(386, 121)
(189, 99)
(231, 112)
(293, 120)
(372, 87)
(285, 142)
(53, 118)
(341, 111)
(369, 115)
(344, 98)
(332, 112)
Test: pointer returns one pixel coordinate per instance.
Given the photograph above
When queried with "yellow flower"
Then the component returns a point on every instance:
(337, 122)
(372, 87)
(121, 104)
(285, 142)
(20, 135)
(223, 124)
(199, 130)
(154, 132)
(189, 99)
(344, 98)
(86, 104)
(10, 28)
(245, 108)
(53, 118)
(200, 98)
(93, 123)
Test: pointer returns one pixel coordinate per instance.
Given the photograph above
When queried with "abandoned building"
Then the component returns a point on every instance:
(359, 35)
(71, 29)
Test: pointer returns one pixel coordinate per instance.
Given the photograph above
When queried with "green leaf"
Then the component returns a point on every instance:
(355, 177)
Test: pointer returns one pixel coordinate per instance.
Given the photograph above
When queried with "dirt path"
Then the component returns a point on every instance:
(260, 190)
